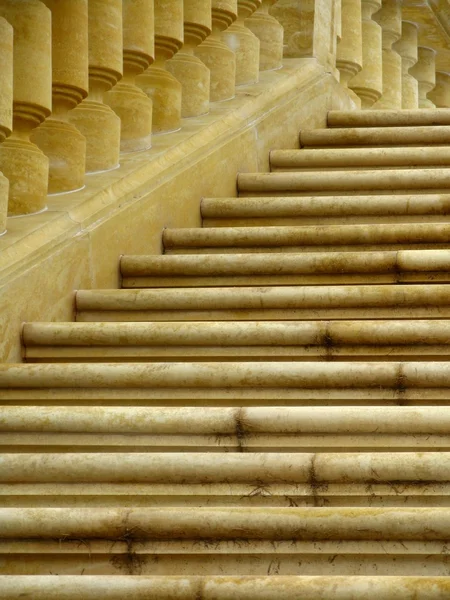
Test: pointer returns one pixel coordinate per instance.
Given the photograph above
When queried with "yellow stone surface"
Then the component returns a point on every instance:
(407, 48)
(440, 94)
(425, 73)
(244, 43)
(6, 103)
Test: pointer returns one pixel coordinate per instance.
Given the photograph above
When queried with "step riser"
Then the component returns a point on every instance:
(375, 136)
(382, 118)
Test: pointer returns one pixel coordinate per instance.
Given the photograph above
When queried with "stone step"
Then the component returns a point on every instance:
(264, 468)
(351, 158)
(293, 238)
(382, 180)
(374, 136)
(285, 381)
(161, 341)
(320, 268)
(265, 303)
(88, 587)
(98, 429)
(314, 210)
(389, 118)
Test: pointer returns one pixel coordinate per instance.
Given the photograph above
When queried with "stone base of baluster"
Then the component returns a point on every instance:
(368, 83)
(26, 167)
(165, 91)
(392, 82)
(195, 80)
(4, 190)
(135, 110)
(221, 61)
(65, 148)
(101, 128)
(270, 34)
(246, 46)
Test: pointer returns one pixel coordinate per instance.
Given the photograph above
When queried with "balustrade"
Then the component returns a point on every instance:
(191, 72)
(96, 120)
(66, 110)
(270, 34)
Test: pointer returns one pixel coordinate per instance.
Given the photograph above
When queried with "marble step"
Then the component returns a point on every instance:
(389, 118)
(88, 587)
(97, 429)
(265, 303)
(232, 382)
(350, 158)
(319, 268)
(375, 136)
(350, 181)
(315, 210)
(307, 237)
(166, 341)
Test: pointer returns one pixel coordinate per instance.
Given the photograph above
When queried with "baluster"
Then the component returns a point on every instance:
(440, 95)
(390, 19)
(349, 49)
(59, 139)
(407, 48)
(21, 161)
(270, 34)
(190, 71)
(97, 122)
(126, 99)
(368, 83)
(425, 73)
(215, 54)
(244, 43)
(157, 82)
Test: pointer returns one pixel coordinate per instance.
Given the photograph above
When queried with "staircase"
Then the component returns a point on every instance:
(263, 412)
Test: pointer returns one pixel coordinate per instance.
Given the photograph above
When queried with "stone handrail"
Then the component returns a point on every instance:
(83, 81)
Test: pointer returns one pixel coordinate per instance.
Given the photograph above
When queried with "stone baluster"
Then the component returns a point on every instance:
(298, 23)
(349, 49)
(407, 48)
(127, 100)
(368, 83)
(244, 44)
(390, 19)
(270, 34)
(59, 139)
(21, 161)
(216, 55)
(440, 95)
(6, 104)
(190, 71)
(97, 122)
(425, 73)
(157, 82)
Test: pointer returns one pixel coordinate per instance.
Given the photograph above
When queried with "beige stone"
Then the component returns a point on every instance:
(189, 70)
(440, 95)
(270, 34)
(390, 19)
(131, 105)
(244, 43)
(425, 73)
(58, 139)
(216, 55)
(407, 48)
(157, 82)
(368, 83)
(349, 49)
(21, 161)
(95, 120)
